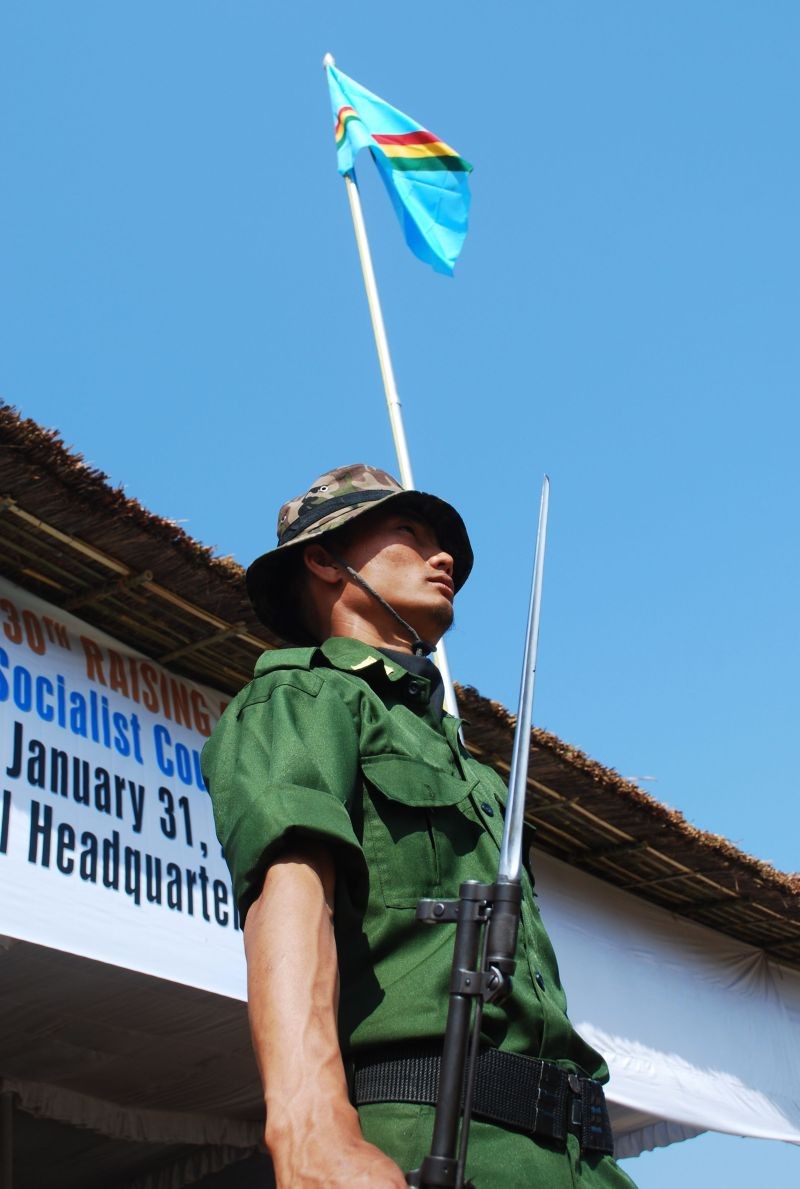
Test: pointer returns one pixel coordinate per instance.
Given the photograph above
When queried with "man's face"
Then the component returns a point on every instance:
(400, 557)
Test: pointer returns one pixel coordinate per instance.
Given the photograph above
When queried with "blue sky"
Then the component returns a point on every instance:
(181, 298)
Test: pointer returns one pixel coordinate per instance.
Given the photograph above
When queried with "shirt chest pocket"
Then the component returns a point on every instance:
(419, 827)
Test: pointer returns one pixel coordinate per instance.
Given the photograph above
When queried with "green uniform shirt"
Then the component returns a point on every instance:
(338, 743)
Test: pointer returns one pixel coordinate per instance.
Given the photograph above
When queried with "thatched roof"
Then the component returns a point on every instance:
(85, 546)
(591, 817)
(75, 540)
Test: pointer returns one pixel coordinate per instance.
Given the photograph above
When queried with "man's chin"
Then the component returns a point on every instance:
(443, 618)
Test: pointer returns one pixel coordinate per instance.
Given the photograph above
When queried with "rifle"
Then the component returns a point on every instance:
(487, 922)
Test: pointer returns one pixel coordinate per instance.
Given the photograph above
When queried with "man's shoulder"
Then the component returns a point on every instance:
(280, 673)
(332, 664)
(280, 667)
(343, 667)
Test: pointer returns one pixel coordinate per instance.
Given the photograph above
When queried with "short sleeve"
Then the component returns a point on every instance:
(282, 765)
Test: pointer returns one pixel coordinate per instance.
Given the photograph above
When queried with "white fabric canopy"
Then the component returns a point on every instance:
(700, 1031)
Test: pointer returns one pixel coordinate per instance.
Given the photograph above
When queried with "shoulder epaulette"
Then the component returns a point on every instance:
(284, 658)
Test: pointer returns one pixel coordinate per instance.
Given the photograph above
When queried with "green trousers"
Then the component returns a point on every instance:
(497, 1159)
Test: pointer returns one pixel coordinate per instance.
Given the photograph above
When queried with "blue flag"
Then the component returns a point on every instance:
(425, 178)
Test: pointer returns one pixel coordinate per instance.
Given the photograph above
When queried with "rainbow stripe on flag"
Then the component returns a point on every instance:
(425, 178)
(419, 150)
(343, 117)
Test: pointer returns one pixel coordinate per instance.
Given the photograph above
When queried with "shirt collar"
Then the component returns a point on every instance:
(353, 656)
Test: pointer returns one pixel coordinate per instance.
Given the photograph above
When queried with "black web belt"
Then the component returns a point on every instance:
(526, 1093)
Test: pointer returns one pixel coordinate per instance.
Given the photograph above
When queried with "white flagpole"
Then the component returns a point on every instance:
(389, 384)
(379, 330)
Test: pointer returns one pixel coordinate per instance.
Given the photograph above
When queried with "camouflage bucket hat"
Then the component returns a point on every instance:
(336, 499)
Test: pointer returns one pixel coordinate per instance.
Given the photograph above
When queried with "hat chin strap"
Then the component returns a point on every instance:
(419, 647)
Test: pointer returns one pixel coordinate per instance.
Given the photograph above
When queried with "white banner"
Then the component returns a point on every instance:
(107, 843)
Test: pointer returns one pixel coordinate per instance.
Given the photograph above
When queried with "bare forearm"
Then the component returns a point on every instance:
(293, 986)
(293, 994)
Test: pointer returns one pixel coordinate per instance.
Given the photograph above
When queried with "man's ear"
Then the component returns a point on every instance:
(321, 564)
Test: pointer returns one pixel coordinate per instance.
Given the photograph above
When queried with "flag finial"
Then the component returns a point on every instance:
(328, 60)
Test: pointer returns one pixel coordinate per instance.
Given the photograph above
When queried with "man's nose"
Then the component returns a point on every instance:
(443, 561)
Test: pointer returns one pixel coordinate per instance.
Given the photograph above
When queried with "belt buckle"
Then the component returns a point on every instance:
(575, 1116)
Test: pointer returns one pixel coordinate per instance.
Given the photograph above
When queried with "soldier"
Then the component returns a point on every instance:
(342, 795)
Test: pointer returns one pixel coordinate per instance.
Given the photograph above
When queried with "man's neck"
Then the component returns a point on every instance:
(380, 630)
